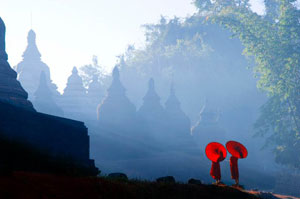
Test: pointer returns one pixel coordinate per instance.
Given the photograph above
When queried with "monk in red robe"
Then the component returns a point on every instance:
(215, 171)
(238, 151)
(234, 169)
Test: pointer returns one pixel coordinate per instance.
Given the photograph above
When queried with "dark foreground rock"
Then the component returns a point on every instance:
(166, 179)
(194, 181)
(118, 176)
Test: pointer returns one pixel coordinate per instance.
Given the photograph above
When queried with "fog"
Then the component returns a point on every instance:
(163, 103)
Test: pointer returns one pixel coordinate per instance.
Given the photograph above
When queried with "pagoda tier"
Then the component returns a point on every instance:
(116, 112)
(151, 114)
(44, 102)
(11, 90)
(74, 98)
(177, 120)
(95, 95)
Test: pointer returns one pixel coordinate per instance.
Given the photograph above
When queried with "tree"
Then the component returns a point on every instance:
(87, 72)
(275, 46)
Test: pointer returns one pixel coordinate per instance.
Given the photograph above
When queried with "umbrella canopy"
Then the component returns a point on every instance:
(236, 149)
(215, 151)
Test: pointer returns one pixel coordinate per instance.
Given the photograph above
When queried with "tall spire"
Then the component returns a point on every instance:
(177, 119)
(116, 112)
(116, 87)
(31, 51)
(151, 103)
(11, 90)
(95, 91)
(151, 114)
(30, 68)
(74, 98)
(44, 99)
(172, 103)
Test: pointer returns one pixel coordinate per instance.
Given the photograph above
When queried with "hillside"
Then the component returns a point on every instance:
(33, 185)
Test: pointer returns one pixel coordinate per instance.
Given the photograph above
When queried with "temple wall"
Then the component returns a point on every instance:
(56, 136)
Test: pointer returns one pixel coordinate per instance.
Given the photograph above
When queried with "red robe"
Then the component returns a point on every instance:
(234, 168)
(215, 171)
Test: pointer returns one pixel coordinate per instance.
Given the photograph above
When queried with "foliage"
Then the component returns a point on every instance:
(199, 58)
(274, 41)
(87, 72)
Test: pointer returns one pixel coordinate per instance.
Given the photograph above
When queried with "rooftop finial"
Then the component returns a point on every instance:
(116, 73)
(31, 36)
(74, 71)
(31, 51)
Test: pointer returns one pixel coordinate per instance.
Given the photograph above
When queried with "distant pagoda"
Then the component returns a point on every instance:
(74, 98)
(95, 95)
(151, 114)
(116, 113)
(11, 90)
(177, 120)
(44, 99)
(30, 68)
(208, 128)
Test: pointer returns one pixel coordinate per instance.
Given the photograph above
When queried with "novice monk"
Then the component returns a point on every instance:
(215, 171)
(216, 152)
(238, 151)
(234, 169)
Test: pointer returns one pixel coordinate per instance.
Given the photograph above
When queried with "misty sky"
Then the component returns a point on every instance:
(70, 32)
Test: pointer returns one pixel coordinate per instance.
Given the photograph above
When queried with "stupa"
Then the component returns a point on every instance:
(116, 113)
(208, 129)
(44, 102)
(74, 98)
(95, 95)
(178, 122)
(11, 90)
(30, 68)
(151, 114)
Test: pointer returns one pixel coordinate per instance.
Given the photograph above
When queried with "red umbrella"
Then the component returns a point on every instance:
(215, 151)
(236, 149)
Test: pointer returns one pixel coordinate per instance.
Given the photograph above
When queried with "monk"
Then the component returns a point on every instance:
(238, 151)
(216, 152)
(233, 161)
(215, 171)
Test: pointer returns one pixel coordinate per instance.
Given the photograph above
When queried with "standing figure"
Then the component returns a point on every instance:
(216, 152)
(238, 151)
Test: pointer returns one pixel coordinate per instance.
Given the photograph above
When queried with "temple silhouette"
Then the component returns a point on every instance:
(152, 123)
(19, 121)
(74, 99)
(30, 68)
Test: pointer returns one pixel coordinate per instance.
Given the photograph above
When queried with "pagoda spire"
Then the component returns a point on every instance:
(116, 112)
(31, 51)
(172, 104)
(30, 68)
(11, 90)
(95, 95)
(74, 98)
(151, 105)
(116, 87)
(178, 121)
(44, 99)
